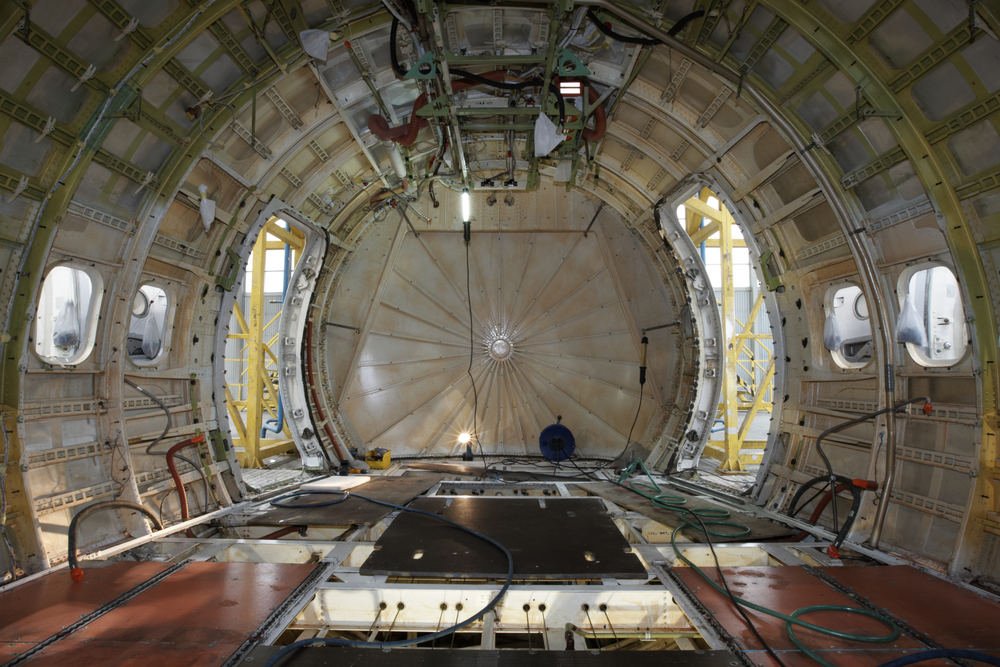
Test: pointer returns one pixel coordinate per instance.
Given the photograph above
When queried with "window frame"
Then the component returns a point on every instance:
(167, 325)
(903, 289)
(93, 317)
(828, 306)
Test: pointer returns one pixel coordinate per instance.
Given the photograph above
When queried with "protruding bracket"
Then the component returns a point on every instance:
(21, 186)
(128, 29)
(425, 68)
(50, 125)
(568, 64)
(147, 179)
(86, 76)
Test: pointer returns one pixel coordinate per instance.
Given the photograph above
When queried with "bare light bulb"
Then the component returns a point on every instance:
(464, 438)
(466, 206)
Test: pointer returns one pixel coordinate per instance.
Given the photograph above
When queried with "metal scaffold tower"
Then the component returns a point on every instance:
(747, 388)
(252, 397)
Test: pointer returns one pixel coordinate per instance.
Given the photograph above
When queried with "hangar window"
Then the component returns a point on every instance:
(847, 330)
(66, 320)
(932, 318)
(147, 330)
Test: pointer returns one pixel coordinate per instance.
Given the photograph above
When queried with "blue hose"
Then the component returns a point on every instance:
(942, 653)
(275, 425)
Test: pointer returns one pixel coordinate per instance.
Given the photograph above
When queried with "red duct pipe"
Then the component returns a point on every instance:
(312, 388)
(600, 118)
(818, 512)
(172, 466)
(281, 532)
(405, 135)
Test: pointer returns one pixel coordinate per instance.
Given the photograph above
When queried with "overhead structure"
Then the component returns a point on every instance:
(500, 217)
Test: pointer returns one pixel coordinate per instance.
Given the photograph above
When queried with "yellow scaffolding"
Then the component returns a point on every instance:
(742, 400)
(259, 378)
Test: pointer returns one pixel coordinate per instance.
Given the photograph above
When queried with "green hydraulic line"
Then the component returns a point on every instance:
(716, 516)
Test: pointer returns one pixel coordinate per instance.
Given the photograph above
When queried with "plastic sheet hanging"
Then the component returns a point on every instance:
(910, 326)
(207, 207)
(547, 136)
(66, 331)
(316, 43)
(151, 338)
(831, 333)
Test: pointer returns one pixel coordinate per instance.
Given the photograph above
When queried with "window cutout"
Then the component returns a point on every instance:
(66, 320)
(850, 311)
(148, 327)
(937, 300)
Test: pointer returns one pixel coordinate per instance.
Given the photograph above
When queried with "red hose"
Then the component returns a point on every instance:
(405, 135)
(281, 532)
(176, 475)
(818, 511)
(600, 118)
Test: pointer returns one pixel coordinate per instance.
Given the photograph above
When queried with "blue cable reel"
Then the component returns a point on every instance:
(556, 442)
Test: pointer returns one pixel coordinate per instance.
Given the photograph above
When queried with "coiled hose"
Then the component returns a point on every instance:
(74, 569)
(716, 516)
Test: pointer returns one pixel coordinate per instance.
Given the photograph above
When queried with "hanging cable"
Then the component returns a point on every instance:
(166, 411)
(853, 422)
(472, 346)
(343, 495)
(75, 572)
(644, 41)
(159, 438)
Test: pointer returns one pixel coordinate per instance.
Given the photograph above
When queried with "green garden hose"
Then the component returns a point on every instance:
(716, 516)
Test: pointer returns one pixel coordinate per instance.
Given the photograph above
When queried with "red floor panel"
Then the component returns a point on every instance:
(197, 616)
(784, 589)
(9, 651)
(863, 658)
(953, 616)
(41, 608)
(154, 654)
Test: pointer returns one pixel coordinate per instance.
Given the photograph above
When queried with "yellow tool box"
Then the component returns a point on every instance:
(378, 458)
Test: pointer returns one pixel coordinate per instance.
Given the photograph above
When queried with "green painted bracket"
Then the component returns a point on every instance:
(227, 281)
(439, 106)
(772, 282)
(219, 449)
(425, 68)
(119, 103)
(569, 65)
